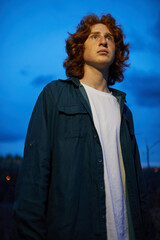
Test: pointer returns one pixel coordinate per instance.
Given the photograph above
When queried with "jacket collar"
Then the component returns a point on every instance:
(74, 80)
(117, 93)
(121, 97)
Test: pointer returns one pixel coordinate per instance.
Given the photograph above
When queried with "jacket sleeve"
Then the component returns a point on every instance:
(143, 193)
(30, 206)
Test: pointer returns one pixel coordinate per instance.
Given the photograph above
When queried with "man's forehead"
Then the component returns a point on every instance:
(99, 28)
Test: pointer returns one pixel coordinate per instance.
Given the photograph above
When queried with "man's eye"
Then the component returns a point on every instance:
(94, 37)
(109, 38)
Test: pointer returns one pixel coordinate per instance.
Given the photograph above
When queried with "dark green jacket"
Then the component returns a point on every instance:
(60, 190)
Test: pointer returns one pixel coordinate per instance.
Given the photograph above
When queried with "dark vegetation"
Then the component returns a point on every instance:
(9, 166)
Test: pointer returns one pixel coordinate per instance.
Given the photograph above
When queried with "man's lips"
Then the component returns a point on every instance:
(103, 51)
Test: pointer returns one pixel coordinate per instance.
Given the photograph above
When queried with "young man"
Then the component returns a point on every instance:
(81, 177)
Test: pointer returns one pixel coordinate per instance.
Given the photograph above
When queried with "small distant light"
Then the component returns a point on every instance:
(8, 178)
(156, 170)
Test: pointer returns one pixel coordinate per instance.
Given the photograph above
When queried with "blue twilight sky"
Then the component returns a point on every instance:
(32, 50)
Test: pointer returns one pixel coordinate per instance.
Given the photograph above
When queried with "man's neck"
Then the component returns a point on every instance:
(95, 78)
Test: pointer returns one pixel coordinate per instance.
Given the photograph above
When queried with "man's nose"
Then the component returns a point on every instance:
(103, 41)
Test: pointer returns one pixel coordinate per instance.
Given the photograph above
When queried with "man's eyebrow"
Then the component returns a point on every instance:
(95, 33)
(109, 34)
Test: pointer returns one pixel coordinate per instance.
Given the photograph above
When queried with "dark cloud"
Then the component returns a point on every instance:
(6, 136)
(154, 45)
(148, 41)
(140, 43)
(145, 87)
(155, 29)
(43, 80)
(148, 97)
(137, 42)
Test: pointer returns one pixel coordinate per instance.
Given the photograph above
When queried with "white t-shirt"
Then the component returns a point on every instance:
(107, 119)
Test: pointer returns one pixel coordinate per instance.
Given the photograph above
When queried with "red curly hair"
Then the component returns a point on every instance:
(74, 63)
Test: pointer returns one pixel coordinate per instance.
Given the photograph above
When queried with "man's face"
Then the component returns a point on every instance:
(99, 48)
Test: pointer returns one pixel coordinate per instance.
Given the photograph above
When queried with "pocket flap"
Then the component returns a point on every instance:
(71, 110)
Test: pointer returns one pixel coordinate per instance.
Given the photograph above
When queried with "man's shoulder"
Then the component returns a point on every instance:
(127, 111)
(129, 118)
(55, 86)
(60, 90)
(58, 84)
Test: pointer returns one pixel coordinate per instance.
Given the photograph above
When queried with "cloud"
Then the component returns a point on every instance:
(145, 87)
(155, 28)
(149, 40)
(6, 136)
(141, 43)
(154, 45)
(137, 42)
(43, 80)
(148, 97)
(24, 72)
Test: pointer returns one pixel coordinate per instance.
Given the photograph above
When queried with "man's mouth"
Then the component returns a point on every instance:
(103, 51)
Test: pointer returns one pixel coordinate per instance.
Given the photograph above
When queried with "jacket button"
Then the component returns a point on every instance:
(101, 187)
(95, 136)
(100, 160)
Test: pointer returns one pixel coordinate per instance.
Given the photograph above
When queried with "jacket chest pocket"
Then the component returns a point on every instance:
(73, 121)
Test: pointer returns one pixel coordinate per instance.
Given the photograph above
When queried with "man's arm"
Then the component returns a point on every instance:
(32, 185)
(143, 193)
